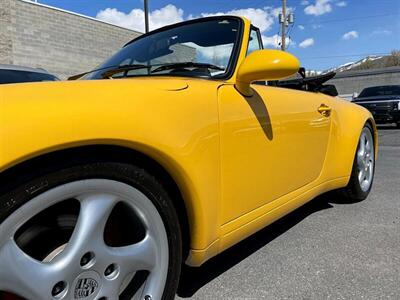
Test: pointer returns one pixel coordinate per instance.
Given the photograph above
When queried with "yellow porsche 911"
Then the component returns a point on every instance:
(171, 151)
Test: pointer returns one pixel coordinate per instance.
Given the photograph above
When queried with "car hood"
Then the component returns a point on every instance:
(377, 98)
(161, 83)
(36, 117)
(90, 91)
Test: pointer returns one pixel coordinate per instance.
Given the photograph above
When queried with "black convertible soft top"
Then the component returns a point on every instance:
(311, 84)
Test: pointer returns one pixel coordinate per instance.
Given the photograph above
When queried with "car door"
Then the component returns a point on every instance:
(272, 143)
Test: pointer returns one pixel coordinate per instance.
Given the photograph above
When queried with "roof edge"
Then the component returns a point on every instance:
(22, 68)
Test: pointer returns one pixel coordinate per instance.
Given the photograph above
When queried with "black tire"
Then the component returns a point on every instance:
(398, 125)
(125, 173)
(353, 192)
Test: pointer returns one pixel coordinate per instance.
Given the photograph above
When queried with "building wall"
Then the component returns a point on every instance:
(351, 82)
(5, 32)
(61, 42)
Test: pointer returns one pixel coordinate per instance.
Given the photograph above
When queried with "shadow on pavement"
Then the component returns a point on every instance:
(192, 279)
(386, 126)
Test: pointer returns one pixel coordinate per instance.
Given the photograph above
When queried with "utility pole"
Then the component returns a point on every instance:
(285, 20)
(146, 16)
(284, 26)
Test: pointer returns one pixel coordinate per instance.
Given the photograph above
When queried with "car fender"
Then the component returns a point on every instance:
(174, 121)
(348, 121)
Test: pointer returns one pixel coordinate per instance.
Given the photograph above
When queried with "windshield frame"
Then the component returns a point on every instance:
(233, 60)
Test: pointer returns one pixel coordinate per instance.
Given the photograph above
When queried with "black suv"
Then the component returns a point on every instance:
(383, 102)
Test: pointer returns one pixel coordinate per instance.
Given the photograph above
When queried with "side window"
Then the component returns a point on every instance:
(254, 42)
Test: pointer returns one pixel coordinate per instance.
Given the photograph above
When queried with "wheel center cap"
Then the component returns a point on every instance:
(87, 285)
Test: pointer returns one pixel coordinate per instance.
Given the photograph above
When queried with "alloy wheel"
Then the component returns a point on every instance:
(365, 159)
(117, 244)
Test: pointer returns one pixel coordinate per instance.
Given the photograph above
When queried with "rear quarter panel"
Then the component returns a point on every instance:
(348, 119)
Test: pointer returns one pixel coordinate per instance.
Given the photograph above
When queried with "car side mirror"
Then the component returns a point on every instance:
(265, 65)
(329, 89)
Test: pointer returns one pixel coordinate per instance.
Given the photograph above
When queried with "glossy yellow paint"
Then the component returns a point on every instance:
(287, 138)
(178, 128)
(264, 65)
(240, 162)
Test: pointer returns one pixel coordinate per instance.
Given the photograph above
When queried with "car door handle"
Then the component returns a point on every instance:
(324, 110)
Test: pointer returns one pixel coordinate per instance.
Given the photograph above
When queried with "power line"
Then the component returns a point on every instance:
(345, 55)
(350, 19)
(289, 35)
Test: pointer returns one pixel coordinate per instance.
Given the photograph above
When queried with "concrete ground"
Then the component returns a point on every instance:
(324, 250)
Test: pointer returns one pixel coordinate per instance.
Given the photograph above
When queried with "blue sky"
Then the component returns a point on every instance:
(326, 33)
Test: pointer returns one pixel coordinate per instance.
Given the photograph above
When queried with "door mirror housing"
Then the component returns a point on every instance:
(265, 65)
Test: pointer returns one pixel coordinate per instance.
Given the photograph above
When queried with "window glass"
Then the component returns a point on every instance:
(14, 76)
(254, 43)
(381, 91)
(207, 42)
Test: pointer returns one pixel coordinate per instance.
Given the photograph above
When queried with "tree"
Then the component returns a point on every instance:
(393, 59)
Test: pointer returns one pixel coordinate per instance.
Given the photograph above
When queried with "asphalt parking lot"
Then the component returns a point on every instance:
(325, 250)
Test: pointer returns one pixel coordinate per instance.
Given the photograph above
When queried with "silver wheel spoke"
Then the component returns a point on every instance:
(136, 257)
(89, 230)
(360, 161)
(22, 275)
(367, 147)
(361, 176)
(362, 143)
(150, 288)
(361, 153)
(368, 172)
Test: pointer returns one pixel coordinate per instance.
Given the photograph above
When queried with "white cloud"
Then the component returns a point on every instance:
(341, 4)
(271, 41)
(135, 19)
(301, 27)
(350, 35)
(262, 18)
(319, 8)
(216, 53)
(316, 26)
(306, 43)
(274, 41)
(381, 32)
(304, 2)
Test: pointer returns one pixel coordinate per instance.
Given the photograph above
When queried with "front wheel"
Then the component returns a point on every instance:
(99, 231)
(362, 174)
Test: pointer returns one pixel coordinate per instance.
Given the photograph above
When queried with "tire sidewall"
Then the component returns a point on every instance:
(125, 173)
(354, 184)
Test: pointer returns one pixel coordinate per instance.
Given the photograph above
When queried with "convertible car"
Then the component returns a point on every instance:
(166, 153)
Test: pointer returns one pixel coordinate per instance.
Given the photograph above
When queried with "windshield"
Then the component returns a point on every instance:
(202, 44)
(14, 76)
(390, 90)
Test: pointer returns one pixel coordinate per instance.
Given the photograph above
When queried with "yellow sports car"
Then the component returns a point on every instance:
(171, 151)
